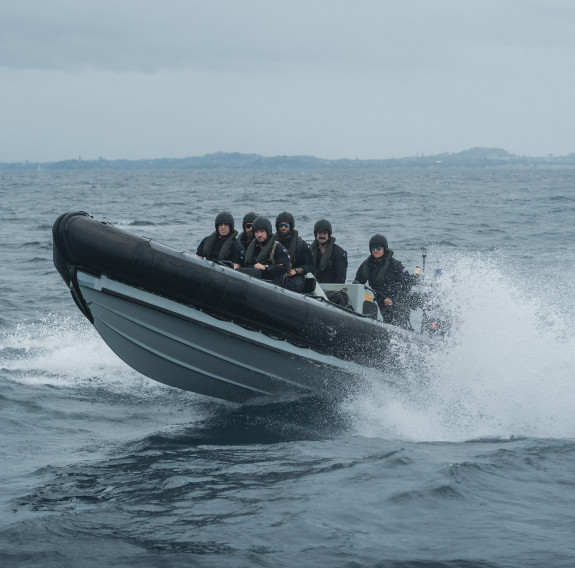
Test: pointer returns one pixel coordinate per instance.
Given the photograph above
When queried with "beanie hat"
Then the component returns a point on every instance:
(249, 218)
(322, 225)
(225, 217)
(286, 217)
(378, 241)
(263, 224)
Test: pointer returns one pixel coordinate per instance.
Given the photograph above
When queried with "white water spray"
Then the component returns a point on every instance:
(509, 370)
(68, 353)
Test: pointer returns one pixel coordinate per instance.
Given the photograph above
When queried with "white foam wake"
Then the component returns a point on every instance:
(68, 353)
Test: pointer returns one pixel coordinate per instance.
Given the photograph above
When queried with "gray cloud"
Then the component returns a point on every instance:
(366, 78)
(148, 36)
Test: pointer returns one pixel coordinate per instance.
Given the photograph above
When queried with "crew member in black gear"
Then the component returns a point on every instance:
(299, 251)
(247, 234)
(222, 244)
(330, 260)
(266, 255)
(390, 281)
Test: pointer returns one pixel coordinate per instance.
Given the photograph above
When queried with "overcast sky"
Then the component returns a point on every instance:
(130, 79)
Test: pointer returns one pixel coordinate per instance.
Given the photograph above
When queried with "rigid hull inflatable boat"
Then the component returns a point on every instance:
(204, 327)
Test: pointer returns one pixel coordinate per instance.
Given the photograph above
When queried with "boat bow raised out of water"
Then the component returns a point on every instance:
(204, 327)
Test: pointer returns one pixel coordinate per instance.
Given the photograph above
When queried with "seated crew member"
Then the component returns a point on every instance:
(222, 243)
(266, 255)
(390, 281)
(247, 234)
(330, 260)
(299, 251)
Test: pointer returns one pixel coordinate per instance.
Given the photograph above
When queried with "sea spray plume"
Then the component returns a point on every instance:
(507, 371)
(513, 356)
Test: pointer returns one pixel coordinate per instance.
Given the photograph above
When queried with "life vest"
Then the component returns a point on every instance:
(381, 273)
(225, 251)
(291, 248)
(326, 259)
(265, 256)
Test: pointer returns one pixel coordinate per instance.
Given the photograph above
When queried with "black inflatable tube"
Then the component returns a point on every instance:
(81, 242)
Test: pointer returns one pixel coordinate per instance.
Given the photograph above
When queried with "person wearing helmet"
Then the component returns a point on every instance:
(299, 251)
(222, 244)
(390, 281)
(330, 260)
(247, 234)
(265, 255)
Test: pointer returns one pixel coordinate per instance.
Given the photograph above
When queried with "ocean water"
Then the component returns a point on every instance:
(464, 459)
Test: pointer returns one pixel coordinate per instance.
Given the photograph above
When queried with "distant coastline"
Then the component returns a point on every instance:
(472, 158)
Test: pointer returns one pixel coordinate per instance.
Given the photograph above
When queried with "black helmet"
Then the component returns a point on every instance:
(225, 217)
(286, 217)
(263, 224)
(378, 240)
(249, 218)
(322, 225)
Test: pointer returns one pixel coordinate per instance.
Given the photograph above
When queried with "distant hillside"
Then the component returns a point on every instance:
(472, 158)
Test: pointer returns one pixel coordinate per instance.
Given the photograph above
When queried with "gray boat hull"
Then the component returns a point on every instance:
(188, 349)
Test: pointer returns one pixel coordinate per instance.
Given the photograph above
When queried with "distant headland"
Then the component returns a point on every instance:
(472, 158)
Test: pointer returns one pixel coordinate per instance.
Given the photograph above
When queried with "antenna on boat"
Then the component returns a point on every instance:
(419, 271)
(424, 316)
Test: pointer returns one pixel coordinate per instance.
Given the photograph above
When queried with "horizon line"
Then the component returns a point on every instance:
(419, 155)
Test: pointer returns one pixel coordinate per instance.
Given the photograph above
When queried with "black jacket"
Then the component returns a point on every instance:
(331, 267)
(214, 247)
(388, 277)
(273, 255)
(299, 252)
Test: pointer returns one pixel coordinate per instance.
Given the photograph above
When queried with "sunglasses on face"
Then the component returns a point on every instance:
(283, 225)
(248, 225)
(375, 248)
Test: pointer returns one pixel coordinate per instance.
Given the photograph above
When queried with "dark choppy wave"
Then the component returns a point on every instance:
(465, 457)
